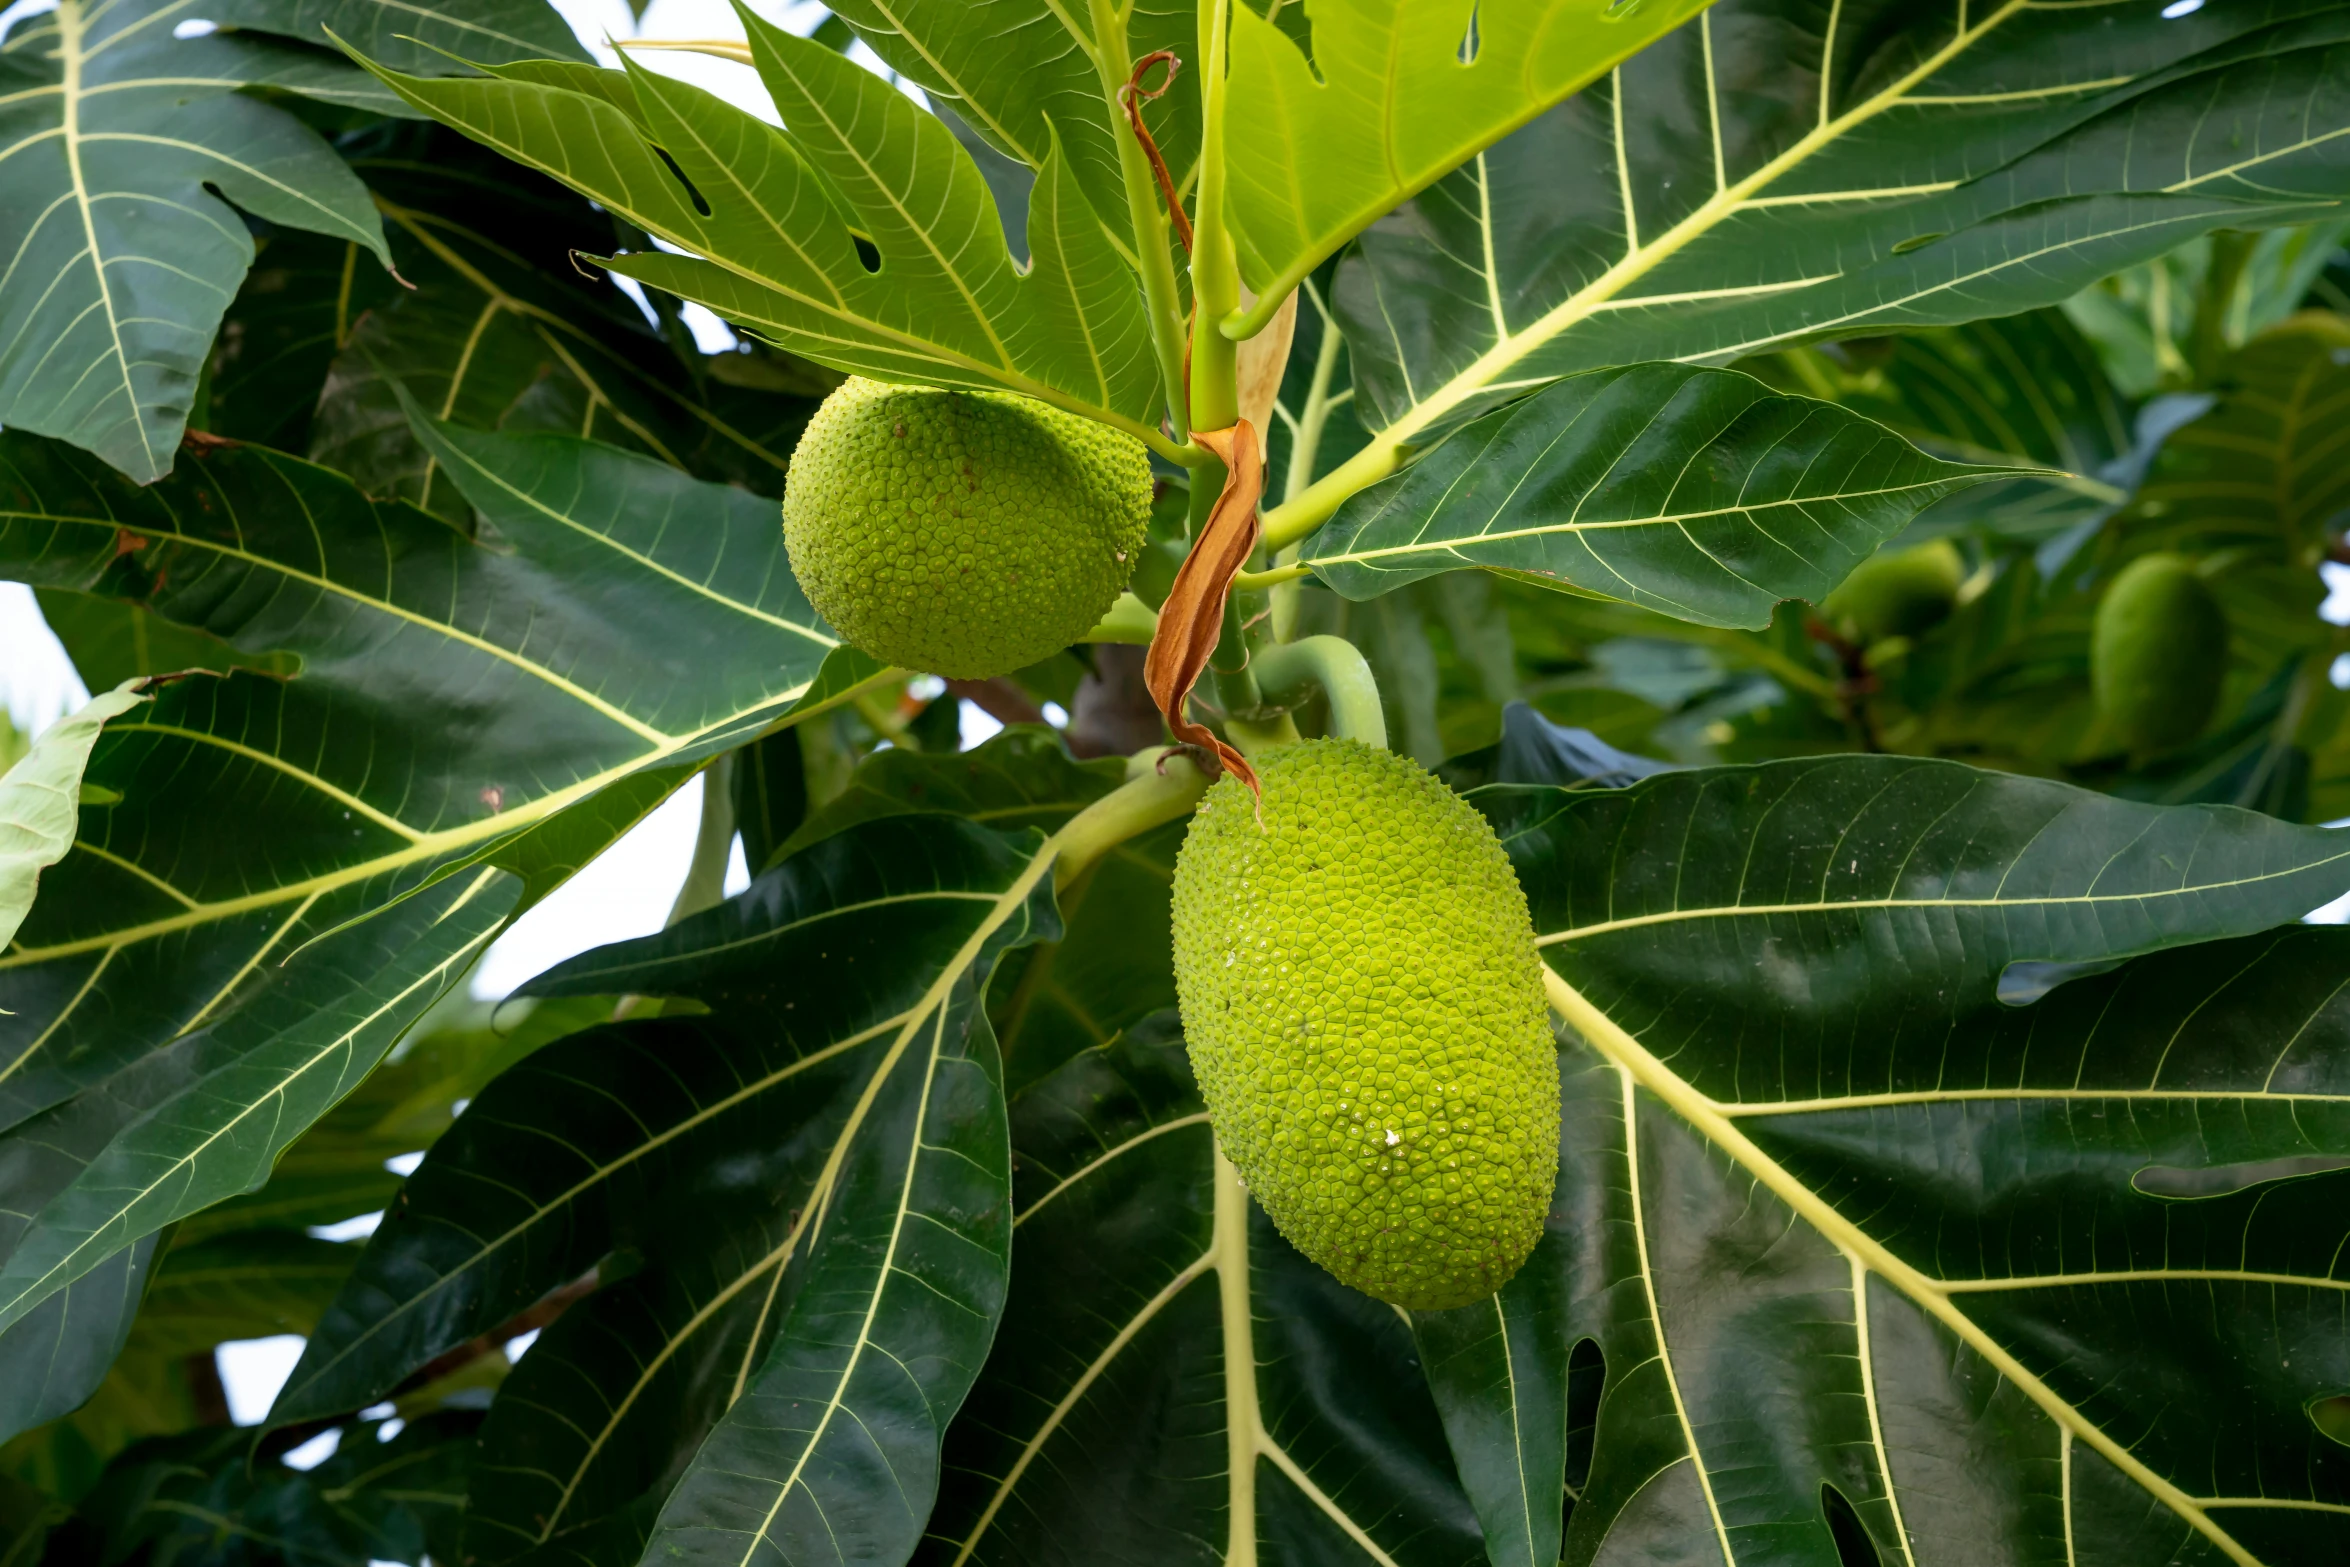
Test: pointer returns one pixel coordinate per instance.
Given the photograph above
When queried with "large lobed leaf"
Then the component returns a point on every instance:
(773, 220)
(457, 698)
(127, 158)
(1857, 1243)
(808, 1184)
(1700, 493)
(1775, 171)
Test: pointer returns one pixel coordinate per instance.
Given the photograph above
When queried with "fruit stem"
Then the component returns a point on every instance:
(705, 876)
(1286, 669)
(1152, 253)
(1243, 1421)
(1162, 783)
(1129, 620)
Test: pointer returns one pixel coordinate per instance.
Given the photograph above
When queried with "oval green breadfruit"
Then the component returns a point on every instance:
(2158, 653)
(963, 533)
(1897, 595)
(1364, 1008)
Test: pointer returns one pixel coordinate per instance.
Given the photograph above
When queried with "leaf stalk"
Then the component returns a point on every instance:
(1287, 670)
(1160, 294)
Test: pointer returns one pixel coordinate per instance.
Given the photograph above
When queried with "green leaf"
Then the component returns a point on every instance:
(584, 642)
(202, 1496)
(239, 1287)
(410, 36)
(55, 1357)
(112, 642)
(1700, 493)
(2020, 391)
(833, 1128)
(208, 1117)
(501, 331)
(1793, 995)
(1020, 72)
(1397, 93)
(2259, 475)
(1759, 179)
(1157, 1326)
(114, 136)
(40, 801)
(945, 305)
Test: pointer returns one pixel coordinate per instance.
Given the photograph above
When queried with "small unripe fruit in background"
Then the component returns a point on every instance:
(2158, 654)
(1364, 1009)
(966, 534)
(1899, 594)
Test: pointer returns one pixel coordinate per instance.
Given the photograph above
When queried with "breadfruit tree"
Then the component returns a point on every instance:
(1663, 712)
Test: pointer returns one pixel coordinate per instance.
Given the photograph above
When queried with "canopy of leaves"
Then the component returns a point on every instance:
(1955, 1142)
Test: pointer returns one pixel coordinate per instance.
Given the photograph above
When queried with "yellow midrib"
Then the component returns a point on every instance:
(1638, 1066)
(426, 847)
(1379, 458)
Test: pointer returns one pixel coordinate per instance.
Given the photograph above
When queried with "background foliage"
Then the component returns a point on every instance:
(1956, 1124)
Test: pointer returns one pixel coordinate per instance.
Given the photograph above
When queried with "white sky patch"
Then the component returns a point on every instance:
(251, 1372)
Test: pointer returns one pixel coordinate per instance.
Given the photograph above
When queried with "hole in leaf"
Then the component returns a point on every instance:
(2331, 1415)
(868, 252)
(1917, 242)
(1467, 53)
(2225, 1180)
(1586, 1380)
(1854, 1547)
(700, 205)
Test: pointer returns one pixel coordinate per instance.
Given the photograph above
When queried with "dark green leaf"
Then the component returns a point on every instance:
(120, 257)
(2020, 391)
(412, 36)
(947, 305)
(828, 1125)
(1106, 1424)
(54, 1357)
(502, 331)
(1700, 493)
(198, 1497)
(584, 642)
(111, 641)
(207, 1117)
(1786, 987)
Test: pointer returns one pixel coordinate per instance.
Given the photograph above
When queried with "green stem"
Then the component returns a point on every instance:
(1129, 620)
(1215, 267)
(1299, 516)
(1151, 249)
(1305, 449)
(2207, 344)
(1162, 783)
(705, 874)
(1287, 669)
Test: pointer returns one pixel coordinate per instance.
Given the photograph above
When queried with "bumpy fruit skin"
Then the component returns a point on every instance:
(963, 533)
(1898, 595)
(1364, 1010)
(2158, 654)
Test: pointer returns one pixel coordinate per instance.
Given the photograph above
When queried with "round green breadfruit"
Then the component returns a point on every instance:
(1364, 1010)
(1898, 595)
(2158, 654)
(967, 534)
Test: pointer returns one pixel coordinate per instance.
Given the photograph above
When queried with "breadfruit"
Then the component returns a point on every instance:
(2157, 654)
(1897, 595)
(1364, 1010)
(962, 533)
